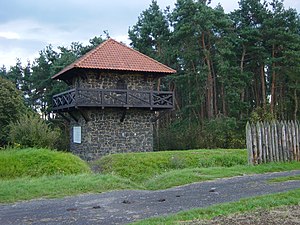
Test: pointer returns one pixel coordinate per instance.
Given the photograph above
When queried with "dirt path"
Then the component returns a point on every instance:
(121, 207)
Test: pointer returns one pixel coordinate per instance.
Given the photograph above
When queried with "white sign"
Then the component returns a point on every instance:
(77, 135)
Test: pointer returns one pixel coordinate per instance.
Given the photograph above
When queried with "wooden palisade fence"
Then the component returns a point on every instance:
(276, 141)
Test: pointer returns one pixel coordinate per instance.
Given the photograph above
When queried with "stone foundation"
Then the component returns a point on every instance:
(111, 131)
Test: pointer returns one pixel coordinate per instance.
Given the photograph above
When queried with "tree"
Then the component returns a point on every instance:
(150, 35)
(11, 107)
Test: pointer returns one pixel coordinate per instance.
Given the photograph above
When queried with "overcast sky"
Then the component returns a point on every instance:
(27, 26)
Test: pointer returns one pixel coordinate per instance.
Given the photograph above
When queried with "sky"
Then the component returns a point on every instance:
(28, 26)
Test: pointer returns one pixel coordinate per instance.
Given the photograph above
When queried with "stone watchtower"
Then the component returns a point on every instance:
(112, 101)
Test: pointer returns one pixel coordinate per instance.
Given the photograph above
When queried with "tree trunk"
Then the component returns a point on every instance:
(263, 86)
(273, 86)
(223, 100)
(215, 99)
(296, 104)
(242, 71)
(209, 82)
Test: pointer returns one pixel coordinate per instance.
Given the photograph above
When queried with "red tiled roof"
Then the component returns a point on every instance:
(112, 55)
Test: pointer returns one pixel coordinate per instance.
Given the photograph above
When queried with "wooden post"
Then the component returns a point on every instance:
(288, 140)
(297, 140)
(254, 144)
(275, 141)
(279, 139)
(284, 142)
(270, 145)
(249, 143)
(265, 143)
(259, 143)
(293, 140)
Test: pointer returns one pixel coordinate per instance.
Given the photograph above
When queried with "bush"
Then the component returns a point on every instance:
(32, 131)
(39, 162)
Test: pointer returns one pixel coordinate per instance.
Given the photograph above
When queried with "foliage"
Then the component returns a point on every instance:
(39, 162)
(141, 166)
(34, 80)
(259, 115)
(241, 66)
(62, 127)
(220, 132)
(32, 131)
(11, 107)
(151, 33)
(231, 67)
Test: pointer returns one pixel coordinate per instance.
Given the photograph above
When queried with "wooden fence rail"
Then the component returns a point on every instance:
(276, 141)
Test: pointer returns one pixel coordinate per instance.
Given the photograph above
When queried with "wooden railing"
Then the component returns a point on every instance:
(83, 97)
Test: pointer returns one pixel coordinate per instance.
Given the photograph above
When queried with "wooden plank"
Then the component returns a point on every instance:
(259, 143)
(270, 146)
(297, 140)
(249, 143)
(263, 143)
(279, 139)
(275, 141)
(288, 138)
(284, 142)
(254, 144)
(293, 141)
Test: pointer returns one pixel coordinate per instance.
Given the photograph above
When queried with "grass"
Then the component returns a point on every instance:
(39, 162)
(244, 205)
(284, 179)
(186, 176)
(60, 186)
(139, 167)
(145, 171)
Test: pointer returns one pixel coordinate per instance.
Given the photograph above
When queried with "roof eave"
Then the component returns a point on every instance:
(64, 73)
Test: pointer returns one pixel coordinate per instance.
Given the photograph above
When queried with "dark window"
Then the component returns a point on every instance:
(121, 84)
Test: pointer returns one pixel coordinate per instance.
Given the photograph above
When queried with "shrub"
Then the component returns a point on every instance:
(39, 162)
(32, 131)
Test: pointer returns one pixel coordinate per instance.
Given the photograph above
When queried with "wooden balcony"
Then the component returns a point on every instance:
(112, 98)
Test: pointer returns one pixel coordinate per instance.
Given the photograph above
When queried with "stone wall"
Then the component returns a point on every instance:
(105, 134)
(104, 80)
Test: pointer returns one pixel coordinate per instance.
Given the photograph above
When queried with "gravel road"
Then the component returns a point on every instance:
(121, 207)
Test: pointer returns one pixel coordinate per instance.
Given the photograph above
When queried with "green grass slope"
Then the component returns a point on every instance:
(39, 162)
(41, 173)
(142, 166)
